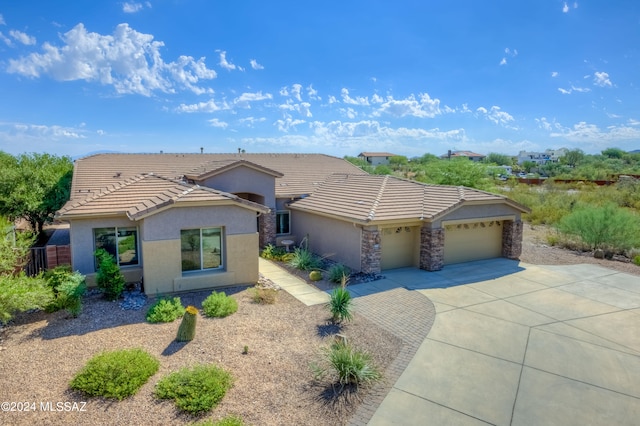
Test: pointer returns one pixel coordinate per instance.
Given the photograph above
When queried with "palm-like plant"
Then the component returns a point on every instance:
(340, 304)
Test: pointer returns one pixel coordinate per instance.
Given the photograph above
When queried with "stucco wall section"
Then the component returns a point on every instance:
(371, 251)
(512, 239)
(478, 212)
(431, 248)
(163, 273)
(245, 179)
(335, 239)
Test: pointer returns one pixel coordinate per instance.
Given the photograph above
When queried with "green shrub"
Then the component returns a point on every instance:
(68, 288)
(165, 310)
(608, 227)
(266, 296)
(346, 365)
(227, 421)
(109, 278)
(116, 374)
(195, 390)
(315, 275)
(187, 329)
(340, 305)
(272, 252)
(21, 293)
(337, 271)
(219, 305)
(636, 260)
(304, 260)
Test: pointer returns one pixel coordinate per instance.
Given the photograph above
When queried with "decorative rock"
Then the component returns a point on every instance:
(598, 254)
(133, 300)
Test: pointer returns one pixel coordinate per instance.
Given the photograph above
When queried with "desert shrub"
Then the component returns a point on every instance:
(195, 390)
(607, 227)
(304, 260)
(315, 275)
(345, 365)
(21, 293)
(68, 288)
(265, 296)
(116, 374)
(165, 310)
(636, 260)
(340, 305)
(272, 252)
(227, 421)
(337, 271)
(218, 305)
(109, 278)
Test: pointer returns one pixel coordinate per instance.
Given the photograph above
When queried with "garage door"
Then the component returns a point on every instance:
(399, 247)
(466, 242)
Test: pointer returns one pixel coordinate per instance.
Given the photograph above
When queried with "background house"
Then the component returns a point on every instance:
(542, 158)
(376, 158)
(464, 154)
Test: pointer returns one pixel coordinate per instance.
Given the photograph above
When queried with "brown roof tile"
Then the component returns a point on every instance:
(368, 198)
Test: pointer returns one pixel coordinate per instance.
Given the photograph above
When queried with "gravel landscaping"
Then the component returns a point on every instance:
(273, 383)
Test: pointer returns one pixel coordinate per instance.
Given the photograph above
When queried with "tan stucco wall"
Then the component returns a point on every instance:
(163, 272)
(336, 239)
(245, 179)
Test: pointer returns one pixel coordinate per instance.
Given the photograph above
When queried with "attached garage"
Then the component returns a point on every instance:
(469, 241)
(400, 247)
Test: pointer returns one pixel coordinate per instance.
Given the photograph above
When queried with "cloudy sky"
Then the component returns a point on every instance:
(335, 77)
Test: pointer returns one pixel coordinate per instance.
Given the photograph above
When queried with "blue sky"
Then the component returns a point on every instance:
(408, 77)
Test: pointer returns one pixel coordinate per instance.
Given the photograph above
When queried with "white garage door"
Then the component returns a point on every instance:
(466, 242)
(400, 247)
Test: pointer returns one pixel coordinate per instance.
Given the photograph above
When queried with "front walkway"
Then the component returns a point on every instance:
(512, 344)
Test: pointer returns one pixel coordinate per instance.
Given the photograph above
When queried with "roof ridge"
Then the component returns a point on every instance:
(376, 201)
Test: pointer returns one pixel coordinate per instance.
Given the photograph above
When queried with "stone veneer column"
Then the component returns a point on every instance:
(267, 228)
(431, 248)
(370, 251)
(512, 239)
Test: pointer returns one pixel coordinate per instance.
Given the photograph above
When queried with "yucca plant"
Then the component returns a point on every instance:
(304, 260)
(345, 365)
(340, 304)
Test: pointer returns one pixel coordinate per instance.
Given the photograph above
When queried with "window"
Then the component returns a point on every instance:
(121, 243)
(201, 249)
(283, 222)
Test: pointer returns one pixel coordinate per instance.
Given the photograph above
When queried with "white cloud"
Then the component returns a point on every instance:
(592, 134)
(350, 113)
(128, 60)
(377, 99)
(312, 93)
(423, 107)
(2, 22)
(573, 89)
(503, 61)
(358, 100)
(303, 108)
(245, 98)
(251, 120)
(565, 8)
(554, 74)
(497, 116)
(22, 37)
(224, 63)
(633, 122)
(41, 131)
(6, 39)
(209, 106)
(508, 52)
(131, 7)
(255, 65)
(295, 91)
(214, 122)
(333, 100)
(287, 124)
(602, 79)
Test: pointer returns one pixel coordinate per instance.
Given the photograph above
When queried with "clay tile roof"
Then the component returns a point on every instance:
(368, 198)
(376, 154)
(144, 194)
(301, 173)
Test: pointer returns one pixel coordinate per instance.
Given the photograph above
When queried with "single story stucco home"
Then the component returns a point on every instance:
(197, 221)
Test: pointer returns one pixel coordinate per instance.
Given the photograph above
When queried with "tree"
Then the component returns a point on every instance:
(573, 158)
(499, 159)
(527, 166)
(397, 161)
(613, 153)
(34, 187)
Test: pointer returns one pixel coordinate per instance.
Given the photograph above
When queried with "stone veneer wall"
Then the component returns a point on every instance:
(267, 228)
(370, 252)
(512, 239)
(431, 248)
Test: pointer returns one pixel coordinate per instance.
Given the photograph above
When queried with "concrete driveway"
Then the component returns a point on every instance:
(518, 344)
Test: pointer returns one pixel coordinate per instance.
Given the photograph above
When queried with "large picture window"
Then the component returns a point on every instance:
(121, 243)
(283, 222)
(201, 249)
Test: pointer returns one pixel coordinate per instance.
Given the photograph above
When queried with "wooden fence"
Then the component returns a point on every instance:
(37, 261)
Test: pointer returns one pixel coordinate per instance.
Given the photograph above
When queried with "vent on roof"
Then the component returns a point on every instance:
(117, 175)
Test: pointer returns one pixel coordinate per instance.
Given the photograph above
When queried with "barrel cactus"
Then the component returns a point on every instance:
(187, 329)
(315, 275)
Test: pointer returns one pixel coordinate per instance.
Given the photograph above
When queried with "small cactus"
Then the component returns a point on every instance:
(315, 275)
(187, 329)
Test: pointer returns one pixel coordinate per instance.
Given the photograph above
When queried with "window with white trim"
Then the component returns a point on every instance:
(283, 222)
(201, 249)
(120, 242)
